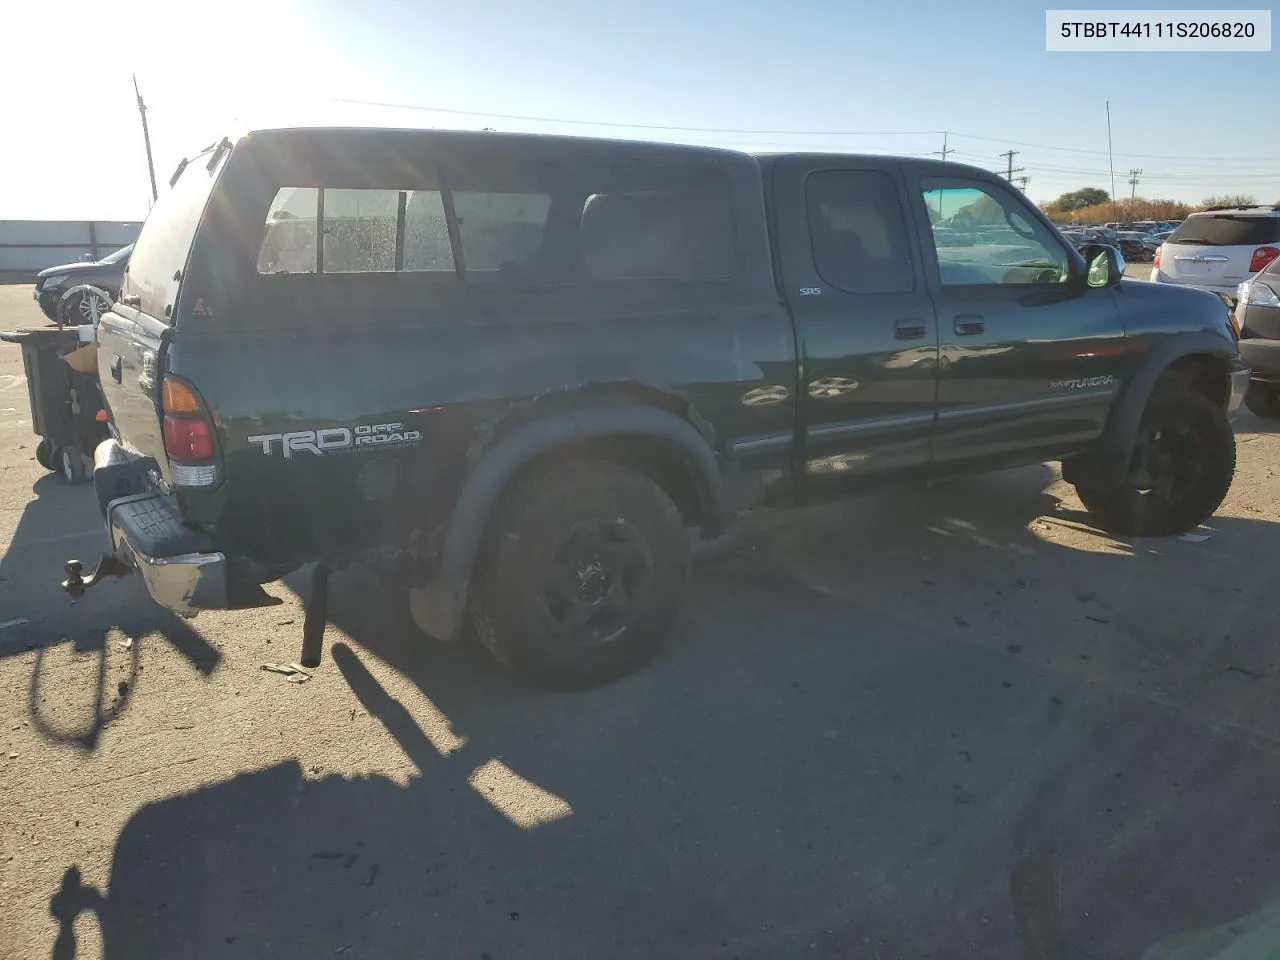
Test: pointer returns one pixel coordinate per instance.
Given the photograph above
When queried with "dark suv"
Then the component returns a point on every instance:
(507, 372)
(85, 306)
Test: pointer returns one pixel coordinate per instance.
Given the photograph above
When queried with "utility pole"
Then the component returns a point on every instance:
(1010, 171)
(1111, 161)
(1134, 174)
(146, 139)
(1022, 183)
(944, 151)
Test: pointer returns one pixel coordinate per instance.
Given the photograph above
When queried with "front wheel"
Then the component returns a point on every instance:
(84, 309)
(582, 575)
(1184, 460)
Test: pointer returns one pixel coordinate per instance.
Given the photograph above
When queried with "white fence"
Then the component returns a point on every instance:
(28, 246)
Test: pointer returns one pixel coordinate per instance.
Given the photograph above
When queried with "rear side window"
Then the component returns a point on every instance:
(160, 253)
(1227, 230)
(312, 230)
(498, 228)
(859, 232)
(582, 221)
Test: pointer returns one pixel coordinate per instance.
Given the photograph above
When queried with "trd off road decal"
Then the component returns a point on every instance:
(325, 440)
(1081, 383)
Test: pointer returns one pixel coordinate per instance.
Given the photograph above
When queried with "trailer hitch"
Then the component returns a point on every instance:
(108, 566)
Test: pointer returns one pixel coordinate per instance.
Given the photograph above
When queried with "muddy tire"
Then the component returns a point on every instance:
(1183, 463)
(1263, 400)
(582, 574)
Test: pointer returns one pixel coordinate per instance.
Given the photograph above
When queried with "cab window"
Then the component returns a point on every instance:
(983, 235)
(858, 232)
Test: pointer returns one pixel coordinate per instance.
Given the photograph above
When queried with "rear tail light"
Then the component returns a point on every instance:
(188, 435)
(1261, 257)
(1155, 261)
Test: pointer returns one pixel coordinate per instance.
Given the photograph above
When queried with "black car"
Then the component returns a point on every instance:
(509, 373)
(1258, 316)
(53, 282)
(1133, 249)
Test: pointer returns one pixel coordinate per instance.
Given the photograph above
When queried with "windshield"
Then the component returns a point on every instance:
(1227, 230)
(118, 255)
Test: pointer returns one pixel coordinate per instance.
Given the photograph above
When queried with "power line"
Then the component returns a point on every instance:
(770, 132)
(633, 126)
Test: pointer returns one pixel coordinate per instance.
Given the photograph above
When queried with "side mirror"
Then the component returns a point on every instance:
(86, 258)
(1104, 265)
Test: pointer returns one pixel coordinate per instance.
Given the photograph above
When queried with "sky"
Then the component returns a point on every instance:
(847, 77)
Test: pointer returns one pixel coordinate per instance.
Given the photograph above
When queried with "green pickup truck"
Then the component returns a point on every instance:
(509, 373)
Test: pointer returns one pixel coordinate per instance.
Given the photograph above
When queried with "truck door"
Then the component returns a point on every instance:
(866, 332)
(1028, 362)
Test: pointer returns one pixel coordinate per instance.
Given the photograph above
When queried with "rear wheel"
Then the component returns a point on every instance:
(582, 575)
(1263, 400)
(1184, 459)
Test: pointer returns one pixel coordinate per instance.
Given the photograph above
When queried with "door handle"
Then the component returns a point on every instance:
(967, 324)
(117, 371)
(908, 329)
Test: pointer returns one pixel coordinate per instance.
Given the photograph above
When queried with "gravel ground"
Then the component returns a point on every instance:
(953, 722)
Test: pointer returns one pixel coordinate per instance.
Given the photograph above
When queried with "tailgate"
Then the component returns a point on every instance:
(1215, 266)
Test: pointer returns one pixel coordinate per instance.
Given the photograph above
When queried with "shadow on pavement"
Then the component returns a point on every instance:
(59, 523)
(873, 740)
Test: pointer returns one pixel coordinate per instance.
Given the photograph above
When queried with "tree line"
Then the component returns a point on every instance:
(1093, 205)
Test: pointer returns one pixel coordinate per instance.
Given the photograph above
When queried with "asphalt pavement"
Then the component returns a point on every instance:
(955, 721)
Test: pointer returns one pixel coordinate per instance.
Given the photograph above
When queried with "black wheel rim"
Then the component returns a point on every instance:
(1167, 462)
(596, 581)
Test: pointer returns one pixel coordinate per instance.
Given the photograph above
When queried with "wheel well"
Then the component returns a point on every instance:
(1199, 373)
(661, 461)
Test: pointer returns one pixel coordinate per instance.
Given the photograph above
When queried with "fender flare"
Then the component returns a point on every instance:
(438, 607)
(1108, 464)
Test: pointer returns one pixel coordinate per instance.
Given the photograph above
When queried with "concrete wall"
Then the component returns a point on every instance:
(28, 246)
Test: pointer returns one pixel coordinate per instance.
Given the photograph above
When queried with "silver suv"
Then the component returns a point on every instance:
(1219, 248)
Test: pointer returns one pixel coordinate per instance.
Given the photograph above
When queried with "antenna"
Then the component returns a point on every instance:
(1111, 161)
(146, 139)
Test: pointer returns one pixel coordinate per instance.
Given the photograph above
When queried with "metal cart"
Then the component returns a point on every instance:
(67, 412)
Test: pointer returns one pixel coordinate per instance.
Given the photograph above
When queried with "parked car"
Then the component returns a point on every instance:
(1134, 250)
(1219, 249)
(506, 372)
(53, 282)
(1257, 315)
